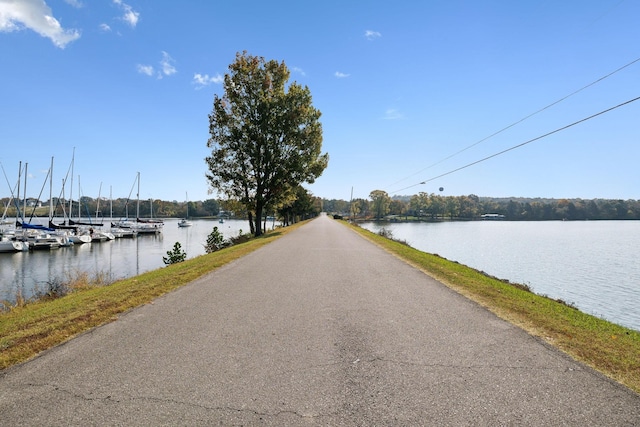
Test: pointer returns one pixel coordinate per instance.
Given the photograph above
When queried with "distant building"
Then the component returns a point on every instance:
(492, 217)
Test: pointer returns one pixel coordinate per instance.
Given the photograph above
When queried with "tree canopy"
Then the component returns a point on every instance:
(265, 136)
(381, 202)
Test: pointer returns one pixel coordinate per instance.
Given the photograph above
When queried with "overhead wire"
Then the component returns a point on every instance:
(518, 122)
(522, 144)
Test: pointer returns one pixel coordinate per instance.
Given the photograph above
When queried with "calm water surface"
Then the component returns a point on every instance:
(23, 272)
(591, 264)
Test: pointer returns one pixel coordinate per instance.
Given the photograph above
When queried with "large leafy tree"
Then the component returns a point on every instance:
(381, 202)
(265, 136)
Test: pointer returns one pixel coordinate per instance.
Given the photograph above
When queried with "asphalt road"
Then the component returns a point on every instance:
(320, 327)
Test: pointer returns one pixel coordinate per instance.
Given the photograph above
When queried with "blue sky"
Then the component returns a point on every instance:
(402, 86)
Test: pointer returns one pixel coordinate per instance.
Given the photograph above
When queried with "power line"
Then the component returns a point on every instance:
(522, 144)
(519, 121)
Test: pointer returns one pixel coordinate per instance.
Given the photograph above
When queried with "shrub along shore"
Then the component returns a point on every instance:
(28, 329)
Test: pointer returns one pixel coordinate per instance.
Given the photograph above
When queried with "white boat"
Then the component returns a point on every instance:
(108, 235)
(138, 227)
(100, 235)
(118, 231)
(184, 223)
(38, 240)
(148, 227)
(80, 238)
(122, 233)
(63, 238)
(98, 238)
(8, 245)
(143, 226)
(10, 241)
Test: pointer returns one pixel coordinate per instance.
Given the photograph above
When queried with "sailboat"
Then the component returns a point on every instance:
(9, 241)
(69, 234)
(141, 226)
(184, 222)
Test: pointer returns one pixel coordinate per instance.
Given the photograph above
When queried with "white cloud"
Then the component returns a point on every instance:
(299, 71)
(145, 69)
(372, 35)
(167, 64)
(74, 3)
(202, 80)
(37, 16)
(166, 67)
(393, 114)
(340, 75)
(130, 16)
(104, 27)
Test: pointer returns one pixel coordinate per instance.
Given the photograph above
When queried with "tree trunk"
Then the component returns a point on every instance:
(252, 228)
(258, 220)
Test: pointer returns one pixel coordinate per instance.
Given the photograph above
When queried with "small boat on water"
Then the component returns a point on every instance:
(80, 237)
(184, 223)
(100, 235)
(8, 245)
(38, 236)
(148, 226)
(41, 241)
(139, 227)
(122, 233)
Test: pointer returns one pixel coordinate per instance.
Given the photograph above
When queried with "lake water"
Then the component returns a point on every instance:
(594, 265)
(22, 272)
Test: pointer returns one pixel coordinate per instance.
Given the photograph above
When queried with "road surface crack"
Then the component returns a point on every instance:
(115, 400)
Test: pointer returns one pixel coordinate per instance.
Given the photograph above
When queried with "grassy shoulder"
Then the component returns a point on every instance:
(609, 348)
(27, 330)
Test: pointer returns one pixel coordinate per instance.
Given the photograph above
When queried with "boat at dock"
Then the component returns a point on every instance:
(9, 245)
(140, 226)
(123, 233)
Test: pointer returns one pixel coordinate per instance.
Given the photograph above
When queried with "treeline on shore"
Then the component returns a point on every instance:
(424, 206)
(301, 205)
(117, 208)
(421, 206)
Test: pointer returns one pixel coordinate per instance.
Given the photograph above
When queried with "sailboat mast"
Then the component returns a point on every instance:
(18, 195)
(51, 191)
(73, 159)
(110, 204)
(64, 209)
(138, 198)
(24, 206)
(98, 201)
